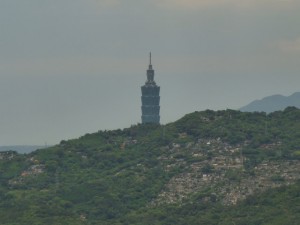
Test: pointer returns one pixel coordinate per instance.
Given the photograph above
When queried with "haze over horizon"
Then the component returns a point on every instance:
(73, 67)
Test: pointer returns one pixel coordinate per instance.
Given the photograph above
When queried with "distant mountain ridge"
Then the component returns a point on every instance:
(273, 103)
(21, 148)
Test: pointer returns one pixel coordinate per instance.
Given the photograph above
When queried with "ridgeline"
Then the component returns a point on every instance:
(210, 167)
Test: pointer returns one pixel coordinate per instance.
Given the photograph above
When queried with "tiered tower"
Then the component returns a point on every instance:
(150, 98)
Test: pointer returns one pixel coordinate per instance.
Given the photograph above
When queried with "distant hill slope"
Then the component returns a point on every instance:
(273, 103)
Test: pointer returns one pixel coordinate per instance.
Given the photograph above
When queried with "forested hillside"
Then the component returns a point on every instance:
(210, 167)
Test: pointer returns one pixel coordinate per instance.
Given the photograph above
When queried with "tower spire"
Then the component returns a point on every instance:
(150, 63)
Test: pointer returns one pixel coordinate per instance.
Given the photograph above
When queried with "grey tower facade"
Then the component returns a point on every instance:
(150, 98)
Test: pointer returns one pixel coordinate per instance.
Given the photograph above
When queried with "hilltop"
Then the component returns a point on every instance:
(210, 167)
(273, 103)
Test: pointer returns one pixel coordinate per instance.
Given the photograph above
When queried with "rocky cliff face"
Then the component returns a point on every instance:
(218, 171)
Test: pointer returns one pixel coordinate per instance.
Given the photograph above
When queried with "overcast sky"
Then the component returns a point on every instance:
(70, 67)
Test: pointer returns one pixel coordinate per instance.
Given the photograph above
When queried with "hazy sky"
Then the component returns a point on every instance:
(70, 67)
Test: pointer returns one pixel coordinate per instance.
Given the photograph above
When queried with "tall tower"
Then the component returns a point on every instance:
(150, 98)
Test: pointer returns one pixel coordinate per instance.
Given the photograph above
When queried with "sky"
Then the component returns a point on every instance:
(71, 67)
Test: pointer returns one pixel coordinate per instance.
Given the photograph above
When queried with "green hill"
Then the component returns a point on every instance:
(210, 167)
